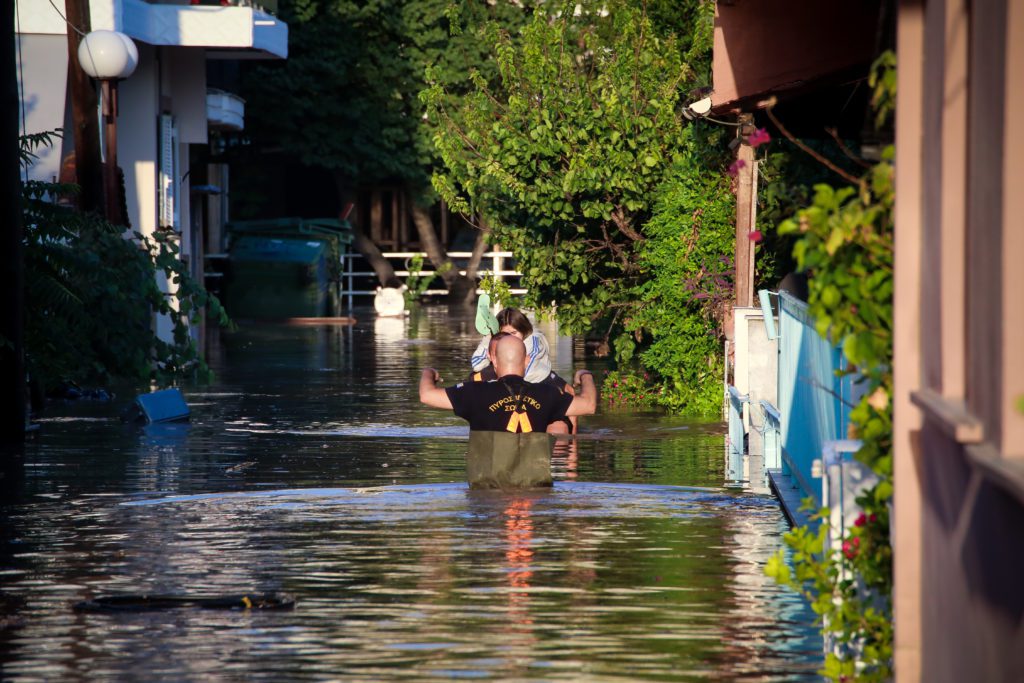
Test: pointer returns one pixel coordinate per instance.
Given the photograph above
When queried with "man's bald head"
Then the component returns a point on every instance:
(510, 356)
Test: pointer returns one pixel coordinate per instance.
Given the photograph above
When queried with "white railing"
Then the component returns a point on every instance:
(496, 260)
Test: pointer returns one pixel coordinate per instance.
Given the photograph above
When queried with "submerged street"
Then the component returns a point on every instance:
(309, 468)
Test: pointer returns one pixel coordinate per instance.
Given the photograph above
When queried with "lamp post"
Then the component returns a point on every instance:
(109, 56)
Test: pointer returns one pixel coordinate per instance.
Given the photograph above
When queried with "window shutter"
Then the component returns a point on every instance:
(169, 216)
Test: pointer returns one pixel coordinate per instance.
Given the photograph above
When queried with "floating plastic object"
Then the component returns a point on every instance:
(163, 406)
(145, 603)
(389, 301)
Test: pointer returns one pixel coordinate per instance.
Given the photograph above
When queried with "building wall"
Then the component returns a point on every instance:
(137, 139)
(959, 456)
(42, 82)
(774, 45)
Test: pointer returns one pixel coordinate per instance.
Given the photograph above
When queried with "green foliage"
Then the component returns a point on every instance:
(845, 244)
(626, 389)
(882, 81)
(564, 163)
(91, 295)
(351, 81)
(568, 158)
(499, 291)
(347, 93)
(417, 283)
(680, 308)
(786, 177)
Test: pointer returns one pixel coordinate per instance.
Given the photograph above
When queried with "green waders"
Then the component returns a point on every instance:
(503, 460)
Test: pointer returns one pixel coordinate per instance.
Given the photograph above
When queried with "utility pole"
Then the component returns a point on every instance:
(746, 207)
(12, 264)
(88, 162)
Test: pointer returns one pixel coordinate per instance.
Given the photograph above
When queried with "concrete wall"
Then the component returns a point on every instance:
(959, 438)
(755, 370)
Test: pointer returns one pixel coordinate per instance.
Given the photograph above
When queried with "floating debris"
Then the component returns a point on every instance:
(142, 603)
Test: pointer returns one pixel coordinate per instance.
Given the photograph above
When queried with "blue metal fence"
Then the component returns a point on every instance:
(814, 399)
(771, 435)
(736, 444)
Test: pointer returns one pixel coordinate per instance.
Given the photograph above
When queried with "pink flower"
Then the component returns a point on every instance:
(754, 235)
(861, 520)
(851, 547)
(759, 137)
(734, 167)
(873, 518)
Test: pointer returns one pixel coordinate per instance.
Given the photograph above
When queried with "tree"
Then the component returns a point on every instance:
(91, 294)
(617, 209)
(566, 156)
(351, 83)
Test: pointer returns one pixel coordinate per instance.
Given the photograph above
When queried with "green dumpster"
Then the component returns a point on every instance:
(284, 268)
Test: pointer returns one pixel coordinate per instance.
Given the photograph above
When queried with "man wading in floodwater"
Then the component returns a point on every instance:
(508, 418)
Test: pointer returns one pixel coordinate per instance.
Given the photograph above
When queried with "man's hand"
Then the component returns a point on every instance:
(578, 378)
(433, 396)
(584, 403)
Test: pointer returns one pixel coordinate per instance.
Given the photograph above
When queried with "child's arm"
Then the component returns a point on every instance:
(479, 360)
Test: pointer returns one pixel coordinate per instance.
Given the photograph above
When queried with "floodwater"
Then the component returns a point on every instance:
(310, 469)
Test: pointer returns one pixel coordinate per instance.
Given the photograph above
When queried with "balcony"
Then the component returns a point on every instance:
(231, 31)
(224, 111)
(268, 6)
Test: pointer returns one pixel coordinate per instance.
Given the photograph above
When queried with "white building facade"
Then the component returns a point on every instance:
(164, 107)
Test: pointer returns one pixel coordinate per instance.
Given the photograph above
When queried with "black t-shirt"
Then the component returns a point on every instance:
(488, 374)
(509, 404)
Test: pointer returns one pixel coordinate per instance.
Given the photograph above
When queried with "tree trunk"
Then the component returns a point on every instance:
(372, 253)
(363, 243)
(88, 164)
(12, 276)
(461, 288)
(478, 250)
(435, 250)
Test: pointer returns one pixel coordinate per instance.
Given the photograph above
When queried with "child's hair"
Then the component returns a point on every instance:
(515, 318)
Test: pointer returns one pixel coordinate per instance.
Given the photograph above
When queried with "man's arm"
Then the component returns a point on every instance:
(585, 402)
(434, 396)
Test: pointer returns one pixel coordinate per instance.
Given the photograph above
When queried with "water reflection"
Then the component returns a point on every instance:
(309, 468)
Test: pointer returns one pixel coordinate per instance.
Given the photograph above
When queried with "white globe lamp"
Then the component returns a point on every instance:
(109, 56)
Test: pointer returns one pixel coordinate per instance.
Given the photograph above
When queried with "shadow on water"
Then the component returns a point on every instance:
(309, 469)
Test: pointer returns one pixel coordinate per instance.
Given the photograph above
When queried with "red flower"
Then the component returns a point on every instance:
(873, 518)
(861, 520)
(759, 137)
(754, 235)
(734, 167)
(851, 547)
